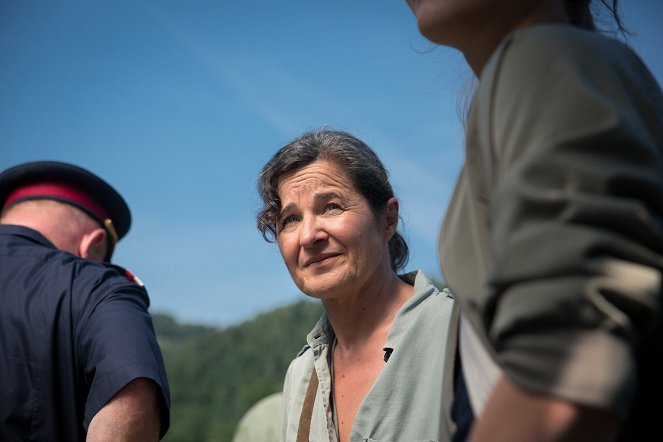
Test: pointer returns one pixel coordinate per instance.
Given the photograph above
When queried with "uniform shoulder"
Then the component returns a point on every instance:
(103, 280)
(105, 272)
(126, 273)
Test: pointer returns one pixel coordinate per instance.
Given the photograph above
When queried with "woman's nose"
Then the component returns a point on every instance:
(311, 232)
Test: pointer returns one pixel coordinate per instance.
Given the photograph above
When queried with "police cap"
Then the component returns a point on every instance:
(70, 184)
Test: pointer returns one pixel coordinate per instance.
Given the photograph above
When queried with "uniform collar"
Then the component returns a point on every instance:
(26, 232)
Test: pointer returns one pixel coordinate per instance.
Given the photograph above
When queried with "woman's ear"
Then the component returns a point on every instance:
(93, 245)
(391, 217)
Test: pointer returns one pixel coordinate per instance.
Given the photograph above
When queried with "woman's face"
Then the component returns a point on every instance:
(331, 241)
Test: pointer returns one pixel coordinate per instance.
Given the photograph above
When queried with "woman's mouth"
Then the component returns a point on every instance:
(320, 259)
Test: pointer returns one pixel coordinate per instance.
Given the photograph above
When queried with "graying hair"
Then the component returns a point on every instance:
(364, 168)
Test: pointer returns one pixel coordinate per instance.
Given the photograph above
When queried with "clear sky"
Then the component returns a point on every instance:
(179, 104)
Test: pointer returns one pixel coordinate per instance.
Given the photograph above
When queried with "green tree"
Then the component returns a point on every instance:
(216, 375)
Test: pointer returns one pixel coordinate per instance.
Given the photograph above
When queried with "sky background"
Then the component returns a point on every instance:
(179, 105)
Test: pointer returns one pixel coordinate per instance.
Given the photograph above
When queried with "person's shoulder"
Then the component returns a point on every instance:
(561, 38)
(555, 45)
(303, 357)
(436, 299)
(300, 367)
(429, 314)
(556, 64)
(124, 274)
(304, 349)
(423, 285)
(105, 270)
(100, 280)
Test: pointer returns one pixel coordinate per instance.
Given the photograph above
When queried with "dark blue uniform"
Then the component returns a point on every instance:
(72, 334)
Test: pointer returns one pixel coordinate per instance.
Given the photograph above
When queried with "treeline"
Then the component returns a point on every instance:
(216, 375)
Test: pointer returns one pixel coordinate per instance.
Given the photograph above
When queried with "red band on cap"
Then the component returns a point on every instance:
(58, 191)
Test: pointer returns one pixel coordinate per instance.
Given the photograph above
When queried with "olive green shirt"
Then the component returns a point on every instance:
(411, 398)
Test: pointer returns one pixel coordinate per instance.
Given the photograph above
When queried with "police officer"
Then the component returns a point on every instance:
(78, 354)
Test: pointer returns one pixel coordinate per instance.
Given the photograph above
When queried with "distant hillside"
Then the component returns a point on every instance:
(216, 375)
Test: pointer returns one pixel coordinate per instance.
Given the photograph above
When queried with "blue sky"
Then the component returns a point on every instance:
(179, 105)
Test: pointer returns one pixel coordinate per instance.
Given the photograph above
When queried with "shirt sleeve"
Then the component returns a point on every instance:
(117, 343)
(576, 210)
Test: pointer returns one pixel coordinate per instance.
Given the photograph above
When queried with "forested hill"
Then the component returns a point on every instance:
(215, 375)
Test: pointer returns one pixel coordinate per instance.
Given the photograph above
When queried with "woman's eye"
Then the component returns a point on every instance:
(287, 220)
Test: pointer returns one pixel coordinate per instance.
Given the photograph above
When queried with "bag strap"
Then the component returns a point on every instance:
(307, 409)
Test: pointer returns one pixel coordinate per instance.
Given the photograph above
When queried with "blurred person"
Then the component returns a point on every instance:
(261, 422)
(371, 369)
(78, 354)
(553, 239)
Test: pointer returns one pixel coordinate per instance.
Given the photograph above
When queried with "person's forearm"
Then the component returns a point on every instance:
(132, 415)
(512, 414)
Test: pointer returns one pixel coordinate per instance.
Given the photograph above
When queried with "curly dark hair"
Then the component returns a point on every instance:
(364, 168)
